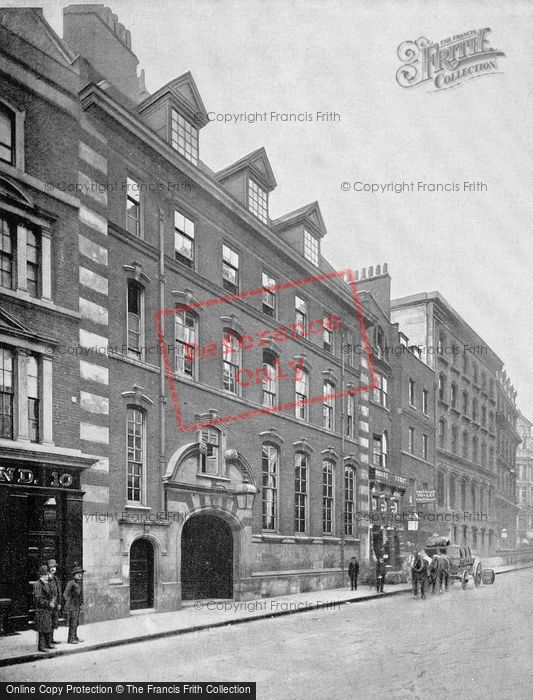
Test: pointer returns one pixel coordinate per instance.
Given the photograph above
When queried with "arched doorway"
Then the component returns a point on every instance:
(206, 558)
(141, 575)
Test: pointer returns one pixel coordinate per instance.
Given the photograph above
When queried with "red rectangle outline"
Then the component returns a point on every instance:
(245, 295)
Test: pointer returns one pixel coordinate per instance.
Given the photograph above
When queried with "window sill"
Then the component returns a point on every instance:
(25, 298)
(213, 477)
(136, 506)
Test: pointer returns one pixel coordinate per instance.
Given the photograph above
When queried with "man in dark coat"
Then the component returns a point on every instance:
(353, 572)
(56, 588)
(380, 575)
(73, 596)
(45, 602)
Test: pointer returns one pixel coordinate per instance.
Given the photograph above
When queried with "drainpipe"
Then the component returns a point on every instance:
(343, 523)
(162, 384)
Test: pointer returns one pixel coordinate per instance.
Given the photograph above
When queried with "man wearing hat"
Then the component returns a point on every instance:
(56, 589)
(73, 596)
(45, 602)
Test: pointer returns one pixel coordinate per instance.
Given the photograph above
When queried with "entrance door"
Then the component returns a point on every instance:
(141, 575)
(206, 558)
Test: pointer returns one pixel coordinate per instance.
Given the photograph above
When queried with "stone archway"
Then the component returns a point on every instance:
(206, 558)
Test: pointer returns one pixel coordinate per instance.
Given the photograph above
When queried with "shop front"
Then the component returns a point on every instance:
(387, 491)
(40, 519)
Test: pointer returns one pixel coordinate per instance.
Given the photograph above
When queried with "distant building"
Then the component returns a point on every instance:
(475, 414)
(524, 481)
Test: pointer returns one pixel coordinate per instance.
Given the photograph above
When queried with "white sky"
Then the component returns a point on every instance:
(340, 56)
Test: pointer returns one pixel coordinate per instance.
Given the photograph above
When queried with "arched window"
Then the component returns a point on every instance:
(454, 439)
(301, 470)
(442, 387)
(328, 403)
(301, 390)
(484, 415)
(491, 422)
(136, 451)
(474, 410)
(135, 320)
(465, 403)
(442, 343)
(350, 415)
(491, 457)
(463, 494)
(465, 363)
(440, 489)
(465, 444)
(453, 395)
(231, 362)
(473, 498)
(327, 496)
(7, 135)
(442, 434)
(186, 343)
(269, 493)
(270, 380)
(452, 494)
(476, 373)
(475, 451)
(483, 454)
(385, 449)
(349, 499)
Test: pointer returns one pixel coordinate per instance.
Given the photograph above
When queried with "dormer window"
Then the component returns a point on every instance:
(311, 248)
(184, 137)
(257, 201)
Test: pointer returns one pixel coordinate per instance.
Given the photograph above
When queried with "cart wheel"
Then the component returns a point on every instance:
(478, 575)
(464, 580)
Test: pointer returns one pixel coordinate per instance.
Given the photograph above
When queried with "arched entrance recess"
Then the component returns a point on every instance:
(206, 558)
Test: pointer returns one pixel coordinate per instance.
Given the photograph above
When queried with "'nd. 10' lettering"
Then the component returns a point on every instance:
(14, 475)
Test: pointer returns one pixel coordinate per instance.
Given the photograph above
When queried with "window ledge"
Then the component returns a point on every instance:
(213, 477)
(136, 506)
(48, 304)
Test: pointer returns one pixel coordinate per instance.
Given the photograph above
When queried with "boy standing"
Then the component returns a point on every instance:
(73, 596)
(44, 606)
(55, 585)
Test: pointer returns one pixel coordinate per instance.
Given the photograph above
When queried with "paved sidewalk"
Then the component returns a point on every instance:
(194, 616)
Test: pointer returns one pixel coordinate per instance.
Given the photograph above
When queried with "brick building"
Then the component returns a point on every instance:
(475, 408)
(131, 224)
(43, 457)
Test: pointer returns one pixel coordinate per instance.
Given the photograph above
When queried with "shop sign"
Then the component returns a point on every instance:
(425, 496)
(36, 476)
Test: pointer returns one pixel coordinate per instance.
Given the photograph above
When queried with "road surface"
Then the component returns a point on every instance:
(476, 643)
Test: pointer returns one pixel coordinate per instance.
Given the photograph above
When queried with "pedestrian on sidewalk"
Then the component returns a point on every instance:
(45, 602)
(353, 572)
(380, 575)
(55, 585)
(73, 596)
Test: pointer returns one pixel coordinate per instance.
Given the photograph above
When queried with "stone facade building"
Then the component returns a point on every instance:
(524, 481)
(475, 414)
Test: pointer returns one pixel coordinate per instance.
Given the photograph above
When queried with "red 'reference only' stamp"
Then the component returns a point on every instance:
(230, 349)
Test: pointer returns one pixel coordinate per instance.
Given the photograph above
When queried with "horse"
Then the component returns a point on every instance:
(439, 572)
(420, 573)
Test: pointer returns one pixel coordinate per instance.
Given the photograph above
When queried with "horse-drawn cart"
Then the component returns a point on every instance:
(463, 566)
(441, 561)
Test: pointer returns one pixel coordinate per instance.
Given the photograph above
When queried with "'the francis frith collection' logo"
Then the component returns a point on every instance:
(449, 62)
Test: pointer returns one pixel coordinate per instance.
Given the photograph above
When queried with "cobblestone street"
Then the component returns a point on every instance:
(475, 643)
